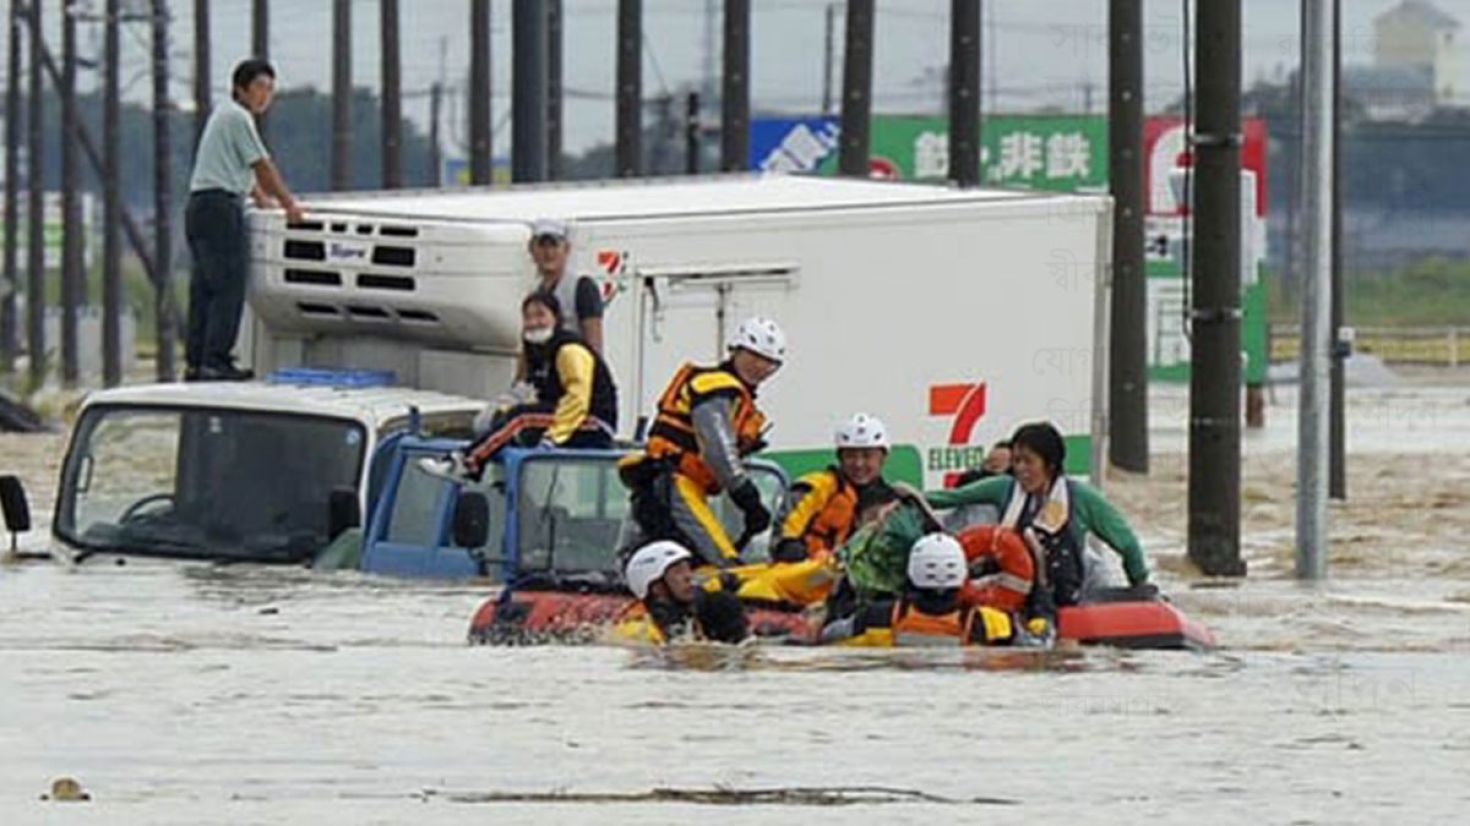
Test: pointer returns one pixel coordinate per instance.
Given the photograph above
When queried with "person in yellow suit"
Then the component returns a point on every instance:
(572, 401)
(826, 505)
(707, 424)
(671, 606)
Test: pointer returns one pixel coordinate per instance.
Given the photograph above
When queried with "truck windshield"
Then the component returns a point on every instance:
(205, 483)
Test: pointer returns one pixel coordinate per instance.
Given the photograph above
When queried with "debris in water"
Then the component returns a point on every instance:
(722, 796)
(67, 790)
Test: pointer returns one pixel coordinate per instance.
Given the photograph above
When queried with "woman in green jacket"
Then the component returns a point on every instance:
(1052, 510)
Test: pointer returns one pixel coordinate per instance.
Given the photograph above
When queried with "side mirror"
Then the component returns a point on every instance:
(344, 511)
(16, 507)
(471, 520)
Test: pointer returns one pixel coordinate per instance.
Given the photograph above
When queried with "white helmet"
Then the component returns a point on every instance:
(862, 430)
(937, 561)
(650, 564)
(761, 336)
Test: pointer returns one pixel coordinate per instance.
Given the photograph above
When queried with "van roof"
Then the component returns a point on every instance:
(668, 197)
(372, 406)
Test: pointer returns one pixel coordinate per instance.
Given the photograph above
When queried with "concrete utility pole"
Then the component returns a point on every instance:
(630, 89)
(479, 103)
(528, 91)
(112, 354)
(857, 88)
(71, 204)
(436, 96)
(554, 25)
(1341, 348)
(203, 94)
(1214, 384)
(162, 193)
(964, 92)
(9, 337)
(260, 46)
(735, 94)
(691, 134)
(1318, 23)
(341, 94)
(36, 207)
(1128, 345)
(392, 150)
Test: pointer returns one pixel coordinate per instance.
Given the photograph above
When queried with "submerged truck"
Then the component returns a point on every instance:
(953, 314)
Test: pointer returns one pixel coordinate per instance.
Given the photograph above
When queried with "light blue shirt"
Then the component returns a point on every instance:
(227, 150)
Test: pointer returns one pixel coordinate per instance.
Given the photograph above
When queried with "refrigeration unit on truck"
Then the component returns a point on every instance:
(954, 315)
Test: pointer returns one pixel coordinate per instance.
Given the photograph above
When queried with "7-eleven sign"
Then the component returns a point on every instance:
(965, 405)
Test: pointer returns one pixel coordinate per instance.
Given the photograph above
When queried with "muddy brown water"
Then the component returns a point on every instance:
(188, 693)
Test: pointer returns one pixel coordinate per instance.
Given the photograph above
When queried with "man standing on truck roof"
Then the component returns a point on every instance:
(580, 298)
(707, 423)
(231, 163)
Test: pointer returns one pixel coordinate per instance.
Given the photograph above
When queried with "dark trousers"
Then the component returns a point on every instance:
(214, 223)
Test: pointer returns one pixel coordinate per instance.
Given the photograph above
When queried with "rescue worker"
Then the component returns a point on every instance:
(930, 612)
(1053, 512)
(826, 504)
(670, 603)
(575, 403)
(706, 424)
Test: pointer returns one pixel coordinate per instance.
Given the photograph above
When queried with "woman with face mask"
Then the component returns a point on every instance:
(575, 403)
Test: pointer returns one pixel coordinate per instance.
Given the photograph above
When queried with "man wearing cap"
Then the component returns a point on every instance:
(579, 296)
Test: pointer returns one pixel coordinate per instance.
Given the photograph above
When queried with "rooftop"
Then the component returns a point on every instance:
(372, 405)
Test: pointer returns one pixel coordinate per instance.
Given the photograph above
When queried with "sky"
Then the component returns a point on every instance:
(1038, 52)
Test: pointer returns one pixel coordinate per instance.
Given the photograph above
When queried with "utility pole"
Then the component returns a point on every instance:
(162, 192)
(1128, 345)
(554, 25)
(71, 206)
(857, 89)
(964, 92)
(112, 354)
(392, 149)
(1214, 384)
(203, 94)
(1341, 347)
(528, 91)
(691, 134)
(630, 89)
(36, 206)
(735, 94)
(341, 94)
(828, 50)
(436, 94)
(260, 46)
(479, 103)
(9, 340)
(1318, 25)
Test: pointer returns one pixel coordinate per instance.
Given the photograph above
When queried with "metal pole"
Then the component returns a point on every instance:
(112, 305)
(203, 94)
(1337, 424)
(71, 204)
(1214, 384)
(36, 208)
(162, 192)
(630, 89)
(528, 92)
(964, 92)
(479, 104)
(341, 94)
(553, 88)
(691, 134)
(857, 89)
(735, 92)
(392, 149)
(1318, 22)
(436, 95)
(260, 46)
(9, 338)
(1128, 345)
(828, 52)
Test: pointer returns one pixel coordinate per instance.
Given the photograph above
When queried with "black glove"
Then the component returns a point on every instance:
(789, 550)
(747, 497)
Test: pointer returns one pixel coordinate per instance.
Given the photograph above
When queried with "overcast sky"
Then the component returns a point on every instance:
(1040, 52)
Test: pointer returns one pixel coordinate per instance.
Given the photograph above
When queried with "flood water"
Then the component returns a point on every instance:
(199, 694)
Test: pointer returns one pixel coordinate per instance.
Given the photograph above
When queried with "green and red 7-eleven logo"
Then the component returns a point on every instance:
(965, 404)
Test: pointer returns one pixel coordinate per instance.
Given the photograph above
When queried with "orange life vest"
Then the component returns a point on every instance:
(672, 436)
(1008, 588)
(823, 532)
(912, 627)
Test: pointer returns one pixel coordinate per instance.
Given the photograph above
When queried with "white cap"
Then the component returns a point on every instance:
(650, 563)
(554, 227)
(937, 561)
